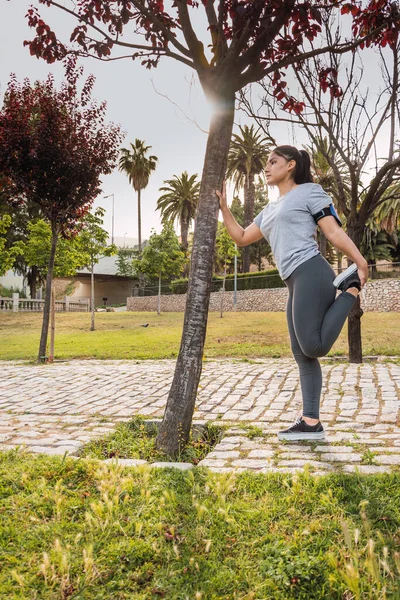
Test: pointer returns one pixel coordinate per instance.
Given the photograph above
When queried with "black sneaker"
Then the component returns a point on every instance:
(301, 431)
(348, 278)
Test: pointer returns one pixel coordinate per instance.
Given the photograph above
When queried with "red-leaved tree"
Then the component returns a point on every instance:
(54, 147)
(244, 41)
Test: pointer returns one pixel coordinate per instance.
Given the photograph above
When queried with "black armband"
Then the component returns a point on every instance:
(328, 211)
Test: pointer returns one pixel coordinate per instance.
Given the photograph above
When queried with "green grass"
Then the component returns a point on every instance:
(121, 336)
(134, 439)
(83, 529)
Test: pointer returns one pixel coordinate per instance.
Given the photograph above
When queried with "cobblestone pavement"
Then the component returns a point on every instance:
(55, 409)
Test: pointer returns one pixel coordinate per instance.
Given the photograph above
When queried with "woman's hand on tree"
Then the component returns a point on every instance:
(363, 273)
(222, 196)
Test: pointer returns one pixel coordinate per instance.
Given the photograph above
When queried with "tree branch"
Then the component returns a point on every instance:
(179, 108)
(117, 42)
(252, 54)
(195, 46)
(395, 83)
(139, 54)
(170, 36)
(334, 49)
(218, 38)
(369, 205)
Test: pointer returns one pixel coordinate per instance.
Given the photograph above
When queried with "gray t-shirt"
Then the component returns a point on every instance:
(289, 227)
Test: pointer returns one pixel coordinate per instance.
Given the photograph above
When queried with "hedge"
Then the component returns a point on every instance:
(258, 280)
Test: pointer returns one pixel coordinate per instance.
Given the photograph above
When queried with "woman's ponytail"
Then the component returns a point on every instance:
(302, 173)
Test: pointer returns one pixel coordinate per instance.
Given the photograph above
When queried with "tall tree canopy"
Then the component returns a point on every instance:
(54, 147)
(242, 42)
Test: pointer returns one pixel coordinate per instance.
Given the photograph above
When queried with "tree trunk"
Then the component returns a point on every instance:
(259, 260)
(141, 278)
(223, 291)
(159, 295)
(249, 197)
(139, 224)
(184, 242)
(46, 308)
(354, 231)
(32, 280)
(373, 270)
(175, 429)
(339, 260)
(92, 295)
(52, 323)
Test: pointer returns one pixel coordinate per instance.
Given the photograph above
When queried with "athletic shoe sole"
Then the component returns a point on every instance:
(349, 271)
(302, 435)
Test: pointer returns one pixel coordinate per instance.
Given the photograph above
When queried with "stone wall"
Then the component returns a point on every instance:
(381, 295)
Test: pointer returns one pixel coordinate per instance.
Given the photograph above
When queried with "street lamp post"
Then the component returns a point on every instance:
(125, 234)
(112, 219)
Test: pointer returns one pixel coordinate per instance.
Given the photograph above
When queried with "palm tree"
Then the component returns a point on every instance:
(380, 235)
(387, 213)
(375, 245)
(138, 167)
(179, 203)
(248, 155)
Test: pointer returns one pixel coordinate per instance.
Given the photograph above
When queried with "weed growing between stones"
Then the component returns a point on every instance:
(368, 457)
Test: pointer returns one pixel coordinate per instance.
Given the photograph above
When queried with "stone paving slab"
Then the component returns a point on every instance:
(57, 408)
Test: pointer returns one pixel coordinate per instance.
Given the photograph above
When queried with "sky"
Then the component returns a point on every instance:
(165, 107)
(172, 126)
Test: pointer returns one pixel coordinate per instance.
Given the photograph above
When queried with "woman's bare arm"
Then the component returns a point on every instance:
(242, 237)
(335, 234)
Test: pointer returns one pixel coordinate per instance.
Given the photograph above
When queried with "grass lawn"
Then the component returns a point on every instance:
(121, 336)
(83, 529)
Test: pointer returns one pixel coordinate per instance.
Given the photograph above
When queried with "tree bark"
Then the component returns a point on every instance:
(374, 270)
(141, 278)
(175, 429)
(139, 225)
(223, 292)
(249, 197)
(46, 308)
(92, 295)
(52, 323)
(354, 231)
(184, 242)
(32, 279)
(184, 234)
(339, 260)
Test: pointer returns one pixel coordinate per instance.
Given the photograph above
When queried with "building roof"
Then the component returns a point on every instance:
(107, 265)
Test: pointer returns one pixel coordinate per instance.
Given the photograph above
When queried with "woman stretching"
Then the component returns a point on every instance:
(315, 316)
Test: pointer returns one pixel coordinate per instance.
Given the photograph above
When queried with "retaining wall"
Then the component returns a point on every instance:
(380, 295)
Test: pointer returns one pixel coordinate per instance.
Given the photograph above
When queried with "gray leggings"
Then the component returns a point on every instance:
(315, 319)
